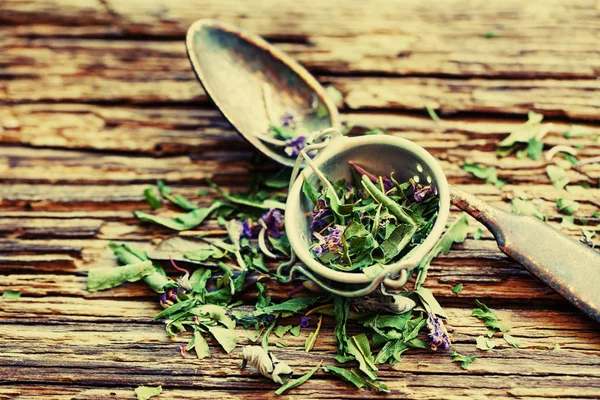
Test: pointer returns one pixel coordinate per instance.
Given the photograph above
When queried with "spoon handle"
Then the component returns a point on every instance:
(569, 267)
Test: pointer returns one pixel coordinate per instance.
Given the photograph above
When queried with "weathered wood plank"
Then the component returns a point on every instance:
(444, 38)
(183, 131)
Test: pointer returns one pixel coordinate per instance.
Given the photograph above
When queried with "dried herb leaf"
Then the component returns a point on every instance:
(359, 347)
(281, 330)
(511, 340)
(152, 198)
(558, 176)
(349, 375)
(432, 114)
(200, 345)
(299, 381)
(567, 206)
(489, 317)
(110, 277)
(484, 343)
(183, 221)
(577, 131)
(11, 294)
(522, 135)
(457, 289)
(312, 337)
(478, 234)
(463, 360)
(293, 305)
(146, 392)
(489, 174)
(227, 338)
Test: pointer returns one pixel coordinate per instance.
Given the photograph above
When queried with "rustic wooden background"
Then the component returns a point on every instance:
(98, 100)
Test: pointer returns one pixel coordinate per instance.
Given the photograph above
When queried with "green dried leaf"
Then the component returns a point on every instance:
(511, 340)
(522, 135)
(359, 347)
(567, 206)
(489, 174)
(265, 339)
(484, 343)
(177, 199)
(297, 382)
(281, 330)
(183, 221)
(253, 335)
(523, 207)
(157, 280)
(534, 149)
(312, 337)
(463, 360)
(216, 313)
(110, 277)
(11, 294)
(310, 192)
(227, 338)
(295, 331)
(457, 289)
(491, 34)
(349, 375)
(152, 198)
(245, 200)
(341, 307)
(432, 114)
(489, 317)
(146, 392)
(558, 176)
(200, 345)
(376, 131)
(293, 305)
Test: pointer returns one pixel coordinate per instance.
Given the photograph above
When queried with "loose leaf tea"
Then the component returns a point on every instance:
(372, 220)
(146, 392)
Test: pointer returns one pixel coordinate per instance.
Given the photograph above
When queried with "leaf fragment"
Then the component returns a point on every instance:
(110, 277)
(146, 392)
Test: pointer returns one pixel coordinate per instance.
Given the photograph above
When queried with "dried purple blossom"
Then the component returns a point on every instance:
(272, 221)
(332, 243)
(269, 318)
(319, 214)
(169, 297)
(294, 146)
(422, 192)
(247, 228)
(440, 339)
(387, 182)
(289, 119)
(304, 321)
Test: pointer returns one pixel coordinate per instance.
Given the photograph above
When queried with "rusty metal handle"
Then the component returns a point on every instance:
(569, 267)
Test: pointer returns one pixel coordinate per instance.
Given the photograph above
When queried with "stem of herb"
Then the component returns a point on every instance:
(394, 208)
(263, 244)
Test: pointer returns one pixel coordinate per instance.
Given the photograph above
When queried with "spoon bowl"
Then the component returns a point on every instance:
(235, 68)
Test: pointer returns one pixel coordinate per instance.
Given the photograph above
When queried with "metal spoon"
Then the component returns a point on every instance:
(233, 66)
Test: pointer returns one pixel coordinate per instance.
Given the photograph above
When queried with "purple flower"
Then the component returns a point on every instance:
(169, 297)
(319, 214)
(272, 221)
(269, 318)
(331, 243)
(304, 321)
(423, 192)
(437, 333)
(294, 146)
(289, 119)
(387, 182)
(247, 228)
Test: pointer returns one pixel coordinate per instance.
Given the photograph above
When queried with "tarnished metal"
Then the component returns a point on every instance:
(234, 65)
(569, 267)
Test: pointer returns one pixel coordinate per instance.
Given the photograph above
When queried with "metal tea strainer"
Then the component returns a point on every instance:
(238, 69)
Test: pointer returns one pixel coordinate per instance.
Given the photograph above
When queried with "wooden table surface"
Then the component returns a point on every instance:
(98, 101)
